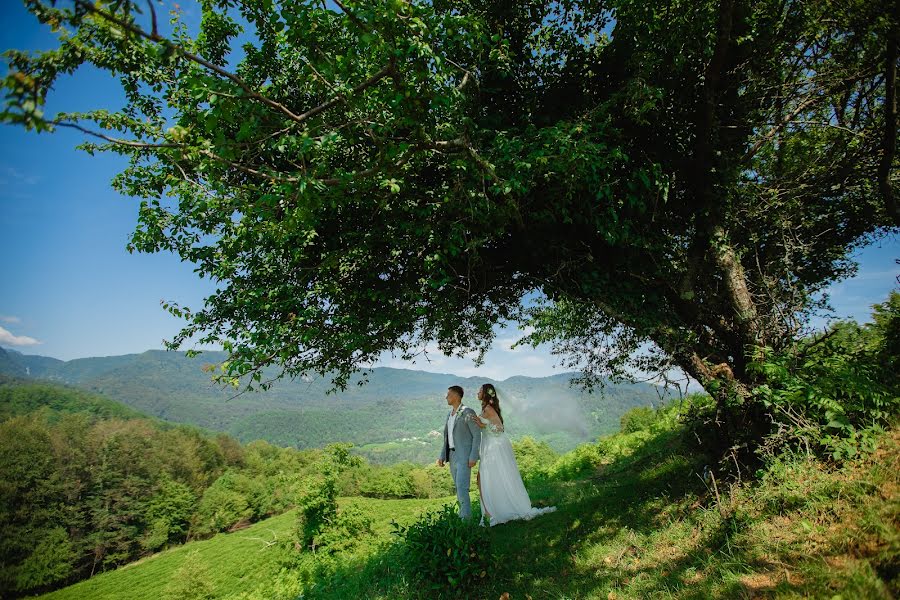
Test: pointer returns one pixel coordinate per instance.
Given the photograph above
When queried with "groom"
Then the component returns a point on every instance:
(462, 439)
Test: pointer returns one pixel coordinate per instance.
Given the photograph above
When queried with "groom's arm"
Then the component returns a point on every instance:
(444, 446)
(475, 430)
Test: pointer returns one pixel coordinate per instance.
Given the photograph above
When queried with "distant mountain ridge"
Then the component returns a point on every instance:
(389, 417)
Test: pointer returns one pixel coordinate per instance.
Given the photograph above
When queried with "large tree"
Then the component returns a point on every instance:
(677, 178)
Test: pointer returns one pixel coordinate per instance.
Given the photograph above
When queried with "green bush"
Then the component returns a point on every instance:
(51, 561)
(169, 513)
(534, 458)
(321, 525)
(579, 462)
(637, 419)
(225, 503)
(344, 530)
(389, 482)
(191, 581)
(443, 552)
(316, 508)
(834, 392)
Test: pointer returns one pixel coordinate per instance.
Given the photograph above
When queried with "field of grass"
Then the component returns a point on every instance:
(646, 526)
(643, 524)
(233, 562)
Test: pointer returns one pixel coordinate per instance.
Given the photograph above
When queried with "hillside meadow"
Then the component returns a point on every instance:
(636, 520)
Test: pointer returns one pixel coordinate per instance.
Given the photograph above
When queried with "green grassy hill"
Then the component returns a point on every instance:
(232, 563)
(635, 520)
(389, 418)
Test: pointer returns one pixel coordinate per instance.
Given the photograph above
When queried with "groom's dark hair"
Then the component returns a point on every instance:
(457, 389)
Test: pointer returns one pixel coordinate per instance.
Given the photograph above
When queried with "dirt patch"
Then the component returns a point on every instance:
(759, 582)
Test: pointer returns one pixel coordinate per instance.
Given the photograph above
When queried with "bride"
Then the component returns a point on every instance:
(503, 495)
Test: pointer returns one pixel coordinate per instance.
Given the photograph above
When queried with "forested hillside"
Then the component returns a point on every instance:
(388, 419)
(88, 484)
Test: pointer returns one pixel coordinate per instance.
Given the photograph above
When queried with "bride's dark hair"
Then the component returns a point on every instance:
(489, 398)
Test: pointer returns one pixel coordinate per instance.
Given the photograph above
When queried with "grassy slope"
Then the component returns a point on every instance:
(644, 525)
(235, 562)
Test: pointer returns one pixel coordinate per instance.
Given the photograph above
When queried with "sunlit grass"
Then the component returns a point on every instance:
(642, 525)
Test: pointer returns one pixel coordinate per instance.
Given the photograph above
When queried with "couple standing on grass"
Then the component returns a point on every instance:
(467, 437)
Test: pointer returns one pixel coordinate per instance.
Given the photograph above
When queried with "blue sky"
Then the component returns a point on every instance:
(70, 289)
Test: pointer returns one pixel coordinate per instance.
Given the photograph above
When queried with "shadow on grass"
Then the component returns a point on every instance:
(643, 526)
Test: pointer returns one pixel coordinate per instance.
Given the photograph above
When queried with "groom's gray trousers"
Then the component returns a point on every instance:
(462, 477)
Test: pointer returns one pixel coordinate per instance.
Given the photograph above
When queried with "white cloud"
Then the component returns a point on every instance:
(16, 340)
(505, 344)
(532, 361)
(11, 175)
(10, 319)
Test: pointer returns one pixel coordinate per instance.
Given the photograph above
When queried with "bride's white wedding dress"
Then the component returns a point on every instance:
(503, 495)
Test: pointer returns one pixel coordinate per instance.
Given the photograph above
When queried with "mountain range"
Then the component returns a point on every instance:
(394, 416)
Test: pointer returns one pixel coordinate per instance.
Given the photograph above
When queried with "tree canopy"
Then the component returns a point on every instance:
(372, 175)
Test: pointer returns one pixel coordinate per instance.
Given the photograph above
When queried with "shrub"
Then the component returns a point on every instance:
(344, 530)
(534, 458)
(168, 513)
(443, 552)
(316, 507)
(226, 502)
(579, 462)
(637, 419)
(389, 482)
(835, 392)
(441, 481)
(191, 581)
(51, 561)
(321, 526)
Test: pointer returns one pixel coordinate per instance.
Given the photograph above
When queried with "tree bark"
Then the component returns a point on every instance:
(728, 262)
(890, 120)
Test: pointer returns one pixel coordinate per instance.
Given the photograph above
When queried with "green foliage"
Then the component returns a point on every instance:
(533, 458)
(169, 514)
(423, 169)
(445, 553)
(321, 525)
(391, 482)
(227, 502)
(658, 431)
(316, 509)
(345, 529)
(82, 493)
(20, 396)
(579, 462)
(191, 581)
(835, 392)
(50, 563)
(639, 417)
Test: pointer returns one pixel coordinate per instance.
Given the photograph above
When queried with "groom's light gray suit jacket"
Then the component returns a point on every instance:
(466, 436)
